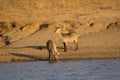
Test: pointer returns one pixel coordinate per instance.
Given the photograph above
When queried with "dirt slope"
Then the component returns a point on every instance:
(92, 15)
(102, 45)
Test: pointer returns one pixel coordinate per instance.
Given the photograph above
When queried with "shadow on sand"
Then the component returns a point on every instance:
(34, 47)
(26, 56)
(40, 47)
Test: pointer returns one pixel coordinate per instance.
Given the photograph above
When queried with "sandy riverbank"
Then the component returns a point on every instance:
(102, 45)
(28, 24)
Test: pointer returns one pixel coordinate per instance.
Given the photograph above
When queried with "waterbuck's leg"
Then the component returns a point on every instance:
(76, 45)
(56, 58)
(50, 57)
(50, 54)
(65, 47)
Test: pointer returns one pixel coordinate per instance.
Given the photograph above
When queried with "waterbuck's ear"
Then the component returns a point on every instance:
(58, 26)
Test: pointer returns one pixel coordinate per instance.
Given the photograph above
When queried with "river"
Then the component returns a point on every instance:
(62, 70)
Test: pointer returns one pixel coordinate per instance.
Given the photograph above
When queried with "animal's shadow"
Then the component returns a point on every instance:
(40, 47)
(36, 47)
(26, 56)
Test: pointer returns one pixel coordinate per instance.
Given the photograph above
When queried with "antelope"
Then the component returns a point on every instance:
(71, 37)
(53, 54)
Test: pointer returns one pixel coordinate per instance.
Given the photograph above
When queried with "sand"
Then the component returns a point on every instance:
(102, 45)
(21, 21)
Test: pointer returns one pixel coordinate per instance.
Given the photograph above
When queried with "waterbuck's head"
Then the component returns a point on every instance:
(57, 29)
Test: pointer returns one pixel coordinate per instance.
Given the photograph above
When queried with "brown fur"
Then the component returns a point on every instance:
(68, 37)
(53, 54)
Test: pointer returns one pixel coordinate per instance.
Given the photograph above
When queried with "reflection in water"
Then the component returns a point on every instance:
(63, 70)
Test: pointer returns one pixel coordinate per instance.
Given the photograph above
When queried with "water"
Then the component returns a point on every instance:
(63, 70)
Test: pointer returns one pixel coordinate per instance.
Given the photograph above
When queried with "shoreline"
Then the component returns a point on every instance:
(22, 60)
(101, 45)
(10, 57)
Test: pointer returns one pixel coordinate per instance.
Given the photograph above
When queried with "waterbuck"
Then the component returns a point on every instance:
(53, 53)
(71, 37)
